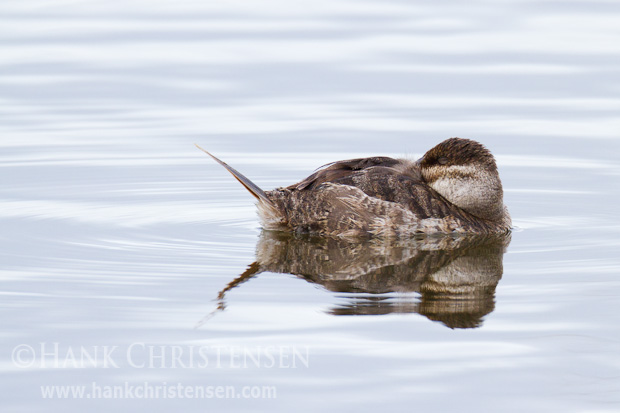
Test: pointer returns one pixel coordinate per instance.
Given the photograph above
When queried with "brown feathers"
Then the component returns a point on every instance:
(334, 171)
(455, 187)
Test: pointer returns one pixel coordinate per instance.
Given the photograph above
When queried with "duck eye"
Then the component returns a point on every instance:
(442, 160)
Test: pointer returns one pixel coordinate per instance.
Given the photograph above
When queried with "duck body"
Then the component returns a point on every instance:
(453, 188)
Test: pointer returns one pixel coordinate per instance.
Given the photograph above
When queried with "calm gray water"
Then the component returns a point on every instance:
(131, 262)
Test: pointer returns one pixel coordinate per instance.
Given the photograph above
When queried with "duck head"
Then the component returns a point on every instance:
(464, 172)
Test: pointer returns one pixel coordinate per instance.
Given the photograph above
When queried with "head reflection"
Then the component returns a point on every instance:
(456, 276)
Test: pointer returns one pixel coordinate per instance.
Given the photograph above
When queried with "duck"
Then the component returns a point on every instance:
(454, 188)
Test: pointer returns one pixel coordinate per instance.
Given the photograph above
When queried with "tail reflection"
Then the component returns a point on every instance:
(456, 276)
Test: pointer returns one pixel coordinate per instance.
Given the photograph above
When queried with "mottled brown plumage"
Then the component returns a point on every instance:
(454, 187)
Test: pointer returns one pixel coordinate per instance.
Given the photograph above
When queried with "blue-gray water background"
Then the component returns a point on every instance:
(116, 230)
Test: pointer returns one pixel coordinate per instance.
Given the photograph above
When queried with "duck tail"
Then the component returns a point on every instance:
(249, 185)
(268, 212)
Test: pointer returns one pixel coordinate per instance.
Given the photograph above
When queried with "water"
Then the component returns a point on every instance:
(119, 238)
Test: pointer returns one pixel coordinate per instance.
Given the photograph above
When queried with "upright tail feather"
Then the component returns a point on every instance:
(249, 185)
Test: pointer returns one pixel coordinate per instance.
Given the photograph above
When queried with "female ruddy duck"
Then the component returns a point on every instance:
(453, 188)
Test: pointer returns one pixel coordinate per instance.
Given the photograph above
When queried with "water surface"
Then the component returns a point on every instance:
(116, 231)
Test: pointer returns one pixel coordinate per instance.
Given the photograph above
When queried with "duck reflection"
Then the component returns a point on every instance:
(456, 276)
